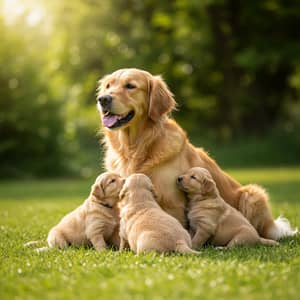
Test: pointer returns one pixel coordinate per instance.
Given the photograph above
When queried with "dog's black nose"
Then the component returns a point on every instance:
(179, 179)
(105, 101)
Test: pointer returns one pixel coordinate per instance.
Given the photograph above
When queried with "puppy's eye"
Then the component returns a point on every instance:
(112, 181)
(107, 86)
(193, 177)
(130, 86)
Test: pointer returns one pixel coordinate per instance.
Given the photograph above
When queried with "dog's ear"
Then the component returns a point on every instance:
(100, 83)
(97, 191)
(208, 185)
(161, 99)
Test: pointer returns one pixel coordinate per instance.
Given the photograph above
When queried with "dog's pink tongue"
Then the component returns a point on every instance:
(110, 120)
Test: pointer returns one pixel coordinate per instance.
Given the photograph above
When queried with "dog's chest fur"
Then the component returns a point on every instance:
(162, 157)
(163, 177)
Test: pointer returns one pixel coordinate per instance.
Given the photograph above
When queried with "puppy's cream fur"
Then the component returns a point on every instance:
(94, 222)
(144, 225)
(211, 218)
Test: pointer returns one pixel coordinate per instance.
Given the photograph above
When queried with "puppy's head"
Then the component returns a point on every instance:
(196, 181)
(137, 182)
(107, 187)
(129, 96)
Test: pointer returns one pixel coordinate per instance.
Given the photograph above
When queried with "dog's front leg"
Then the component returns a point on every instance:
(123, 236)
(123, 244)
(98, 242)
(200, 237)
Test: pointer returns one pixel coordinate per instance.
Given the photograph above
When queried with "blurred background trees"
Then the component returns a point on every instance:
(234, 67)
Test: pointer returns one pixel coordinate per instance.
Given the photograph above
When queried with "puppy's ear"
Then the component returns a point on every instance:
(208, 185)
(161, 99)
(97, 191)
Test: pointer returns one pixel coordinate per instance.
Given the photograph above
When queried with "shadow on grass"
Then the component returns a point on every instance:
(286, 251)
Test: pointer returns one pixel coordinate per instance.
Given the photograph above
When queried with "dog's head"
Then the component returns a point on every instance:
(137, 182)
(107, 187)
(196, 181)
(128, 96)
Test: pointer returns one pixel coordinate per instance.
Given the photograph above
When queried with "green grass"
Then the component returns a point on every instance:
(28, 209)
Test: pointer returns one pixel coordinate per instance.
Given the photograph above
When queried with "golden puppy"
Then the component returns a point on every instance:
(211, 217)
(140, 137)
(144, 225)
(94, 222)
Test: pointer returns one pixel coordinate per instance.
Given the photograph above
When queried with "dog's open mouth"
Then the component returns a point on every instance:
(111, 120)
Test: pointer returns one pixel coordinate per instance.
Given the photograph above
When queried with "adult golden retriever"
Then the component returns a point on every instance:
(140, 137)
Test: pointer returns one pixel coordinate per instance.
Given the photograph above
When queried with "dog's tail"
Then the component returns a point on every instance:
(32, 244)
(182, 247)
(37, 246)
(254, 205)
(280, 228)
(42, 249)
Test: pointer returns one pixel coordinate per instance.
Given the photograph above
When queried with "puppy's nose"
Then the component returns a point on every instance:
(105, 101)
(179, 179)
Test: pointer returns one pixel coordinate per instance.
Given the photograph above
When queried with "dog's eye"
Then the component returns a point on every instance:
(112, 181)
(107, 86)
(193, 177)
(130, 86)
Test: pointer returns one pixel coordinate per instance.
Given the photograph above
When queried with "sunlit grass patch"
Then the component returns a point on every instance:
(29, 209)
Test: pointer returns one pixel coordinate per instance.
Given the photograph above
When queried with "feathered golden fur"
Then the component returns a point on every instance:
(140, 137)
(96, 221)
(211, 218)
(144, 226)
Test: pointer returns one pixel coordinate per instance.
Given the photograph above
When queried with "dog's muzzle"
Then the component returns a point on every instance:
(105, 102)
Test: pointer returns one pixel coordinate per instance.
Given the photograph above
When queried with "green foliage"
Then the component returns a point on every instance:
(279, 148)
(234, 67)
(29, 209)
(30, 118)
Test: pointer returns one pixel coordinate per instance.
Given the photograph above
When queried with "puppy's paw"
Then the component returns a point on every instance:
(221, 248)
(100, 247)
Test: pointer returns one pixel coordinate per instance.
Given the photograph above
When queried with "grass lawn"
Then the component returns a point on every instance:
(28, 209)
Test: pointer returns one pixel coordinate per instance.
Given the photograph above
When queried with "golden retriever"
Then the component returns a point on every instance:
(94, 222)
(144, 225)
(140, 137)
(211, 218)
